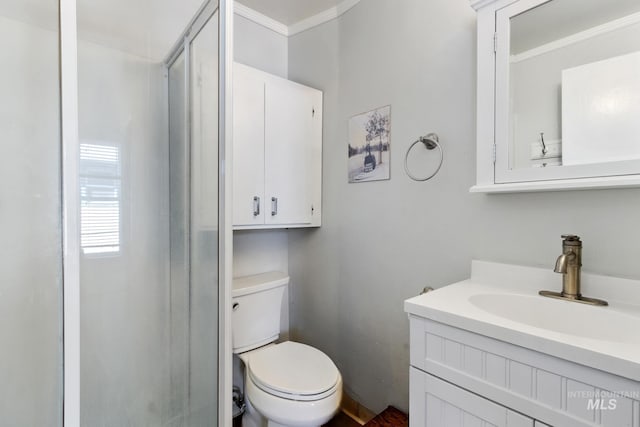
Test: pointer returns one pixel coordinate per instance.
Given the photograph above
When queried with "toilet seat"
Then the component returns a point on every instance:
(294, 413)
(293, 371)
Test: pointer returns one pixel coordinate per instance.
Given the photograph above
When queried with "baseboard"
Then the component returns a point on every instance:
(354, 410)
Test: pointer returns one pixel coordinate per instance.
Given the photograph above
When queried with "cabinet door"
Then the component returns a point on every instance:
(436, 403)
(248, 147)
(290, 132)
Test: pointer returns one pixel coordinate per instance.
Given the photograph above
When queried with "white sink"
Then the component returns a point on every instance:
(565, 317)
(501, 301)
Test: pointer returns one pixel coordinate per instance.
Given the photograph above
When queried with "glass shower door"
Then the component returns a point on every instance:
(147, 201)
(204, 222)
(30, 215)
(193, 159)
(149, 213)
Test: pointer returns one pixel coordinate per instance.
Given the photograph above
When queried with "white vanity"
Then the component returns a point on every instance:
(558, 106)
(490, 351)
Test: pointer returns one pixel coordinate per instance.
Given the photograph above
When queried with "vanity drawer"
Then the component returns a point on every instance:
(436, 403)
(555, 391)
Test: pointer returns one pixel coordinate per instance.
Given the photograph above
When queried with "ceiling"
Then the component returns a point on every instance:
(147, 28)
(290, 12)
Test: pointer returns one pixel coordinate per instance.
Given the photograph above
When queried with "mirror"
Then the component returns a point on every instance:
(571, 96)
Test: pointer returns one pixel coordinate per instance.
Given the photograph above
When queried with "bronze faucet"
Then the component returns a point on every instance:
(568, 264)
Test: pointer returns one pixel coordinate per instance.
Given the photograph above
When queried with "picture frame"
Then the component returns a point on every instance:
(369, 146)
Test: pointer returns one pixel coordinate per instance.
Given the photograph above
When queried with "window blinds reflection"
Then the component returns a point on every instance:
(100, 194)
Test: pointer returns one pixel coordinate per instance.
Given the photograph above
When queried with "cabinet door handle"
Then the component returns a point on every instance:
(256, 206)
(274, 206)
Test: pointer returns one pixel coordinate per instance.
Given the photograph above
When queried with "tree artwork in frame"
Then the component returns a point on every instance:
(369, 145)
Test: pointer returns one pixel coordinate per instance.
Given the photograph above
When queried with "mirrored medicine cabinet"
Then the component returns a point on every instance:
(558, 95)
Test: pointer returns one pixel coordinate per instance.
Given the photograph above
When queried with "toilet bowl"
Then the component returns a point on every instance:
(288, 384)
(292, 384)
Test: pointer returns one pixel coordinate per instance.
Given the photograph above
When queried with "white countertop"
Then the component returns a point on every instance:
(501, 301)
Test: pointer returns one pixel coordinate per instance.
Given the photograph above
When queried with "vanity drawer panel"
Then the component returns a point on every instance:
(618, 411)
(520, 378)
(495, 369)
(436, 403)
(577, 397)
(473, 361)
(453, 354)
(434, 347)
(561, 393)
(549, 388)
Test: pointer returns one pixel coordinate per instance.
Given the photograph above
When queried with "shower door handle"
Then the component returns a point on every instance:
(256, 205)
(274, 206)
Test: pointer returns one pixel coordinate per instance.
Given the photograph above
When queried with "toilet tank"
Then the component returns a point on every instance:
(257, 306)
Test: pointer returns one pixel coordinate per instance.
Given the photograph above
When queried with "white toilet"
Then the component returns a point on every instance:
(287, 384)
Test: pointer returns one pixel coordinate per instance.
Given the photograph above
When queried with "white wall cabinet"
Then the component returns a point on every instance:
(277, 154)
(516, 101)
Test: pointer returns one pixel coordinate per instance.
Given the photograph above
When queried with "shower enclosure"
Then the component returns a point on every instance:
(115, 255)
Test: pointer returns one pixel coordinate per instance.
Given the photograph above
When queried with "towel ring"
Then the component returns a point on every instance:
(430, 142)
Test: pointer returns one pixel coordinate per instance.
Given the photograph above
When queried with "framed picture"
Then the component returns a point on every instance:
(369, 145)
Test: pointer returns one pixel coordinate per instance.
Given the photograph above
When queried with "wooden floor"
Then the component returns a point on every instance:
(390, 417)
(342, 420)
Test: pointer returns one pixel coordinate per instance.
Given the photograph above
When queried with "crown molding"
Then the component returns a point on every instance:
(261, 19)
(298, 27)
(479, 4)
(313, 21)
(322, 17)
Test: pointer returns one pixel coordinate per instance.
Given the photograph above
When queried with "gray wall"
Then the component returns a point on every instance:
(381, 242)
(260, 47)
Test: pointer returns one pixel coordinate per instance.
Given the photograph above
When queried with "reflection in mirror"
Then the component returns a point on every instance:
(574, 83)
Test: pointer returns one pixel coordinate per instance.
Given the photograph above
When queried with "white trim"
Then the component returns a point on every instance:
(578, 37)
(601, 183)
(261, 19)
(485, 97)
(298, 27)
(479, 4)
(322, 17)
(314, 21)
(225, 211)
(346, 5)
(70, 212)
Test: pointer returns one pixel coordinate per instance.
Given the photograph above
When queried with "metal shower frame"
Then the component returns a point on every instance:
(68, 43)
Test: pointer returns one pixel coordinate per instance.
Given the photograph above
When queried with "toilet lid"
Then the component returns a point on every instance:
(294, 369)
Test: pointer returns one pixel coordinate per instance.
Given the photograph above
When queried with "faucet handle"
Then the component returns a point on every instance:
(571, 237)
